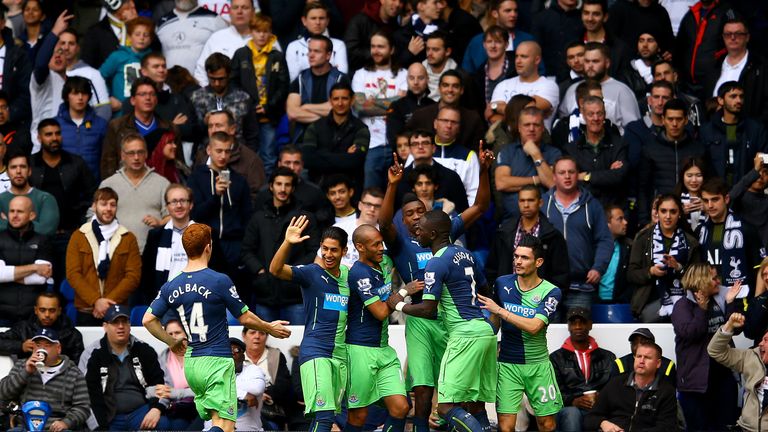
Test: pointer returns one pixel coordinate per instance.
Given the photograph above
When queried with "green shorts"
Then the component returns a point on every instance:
(536, 380)
(323, 382)
(468, 370)
(374, 372)
(425, 341)
(213, 381)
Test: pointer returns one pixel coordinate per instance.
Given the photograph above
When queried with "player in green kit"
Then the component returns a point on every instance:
(374, 369)
(468, 369)
(323, 353)
(202, 298)
(525, 304)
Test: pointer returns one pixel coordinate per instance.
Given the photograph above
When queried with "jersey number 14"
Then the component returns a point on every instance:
(196, 321)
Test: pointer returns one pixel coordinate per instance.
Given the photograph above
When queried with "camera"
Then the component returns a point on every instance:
(41, 356)
(765, 158)
(224, 175)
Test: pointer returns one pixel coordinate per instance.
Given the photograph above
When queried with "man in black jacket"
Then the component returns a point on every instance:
(582, 370)
(531, 221)
(17, 69)
(271, 297)
(108, 34)
(26, 257)
(731, 137)
(401, 110)
(118, 372)
(624, 365)
(17, 341)
(338, 142)
(613, 285)
(636, 401)
(554, 28)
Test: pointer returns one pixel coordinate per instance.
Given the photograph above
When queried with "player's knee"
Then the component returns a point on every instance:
(356, 416)
(507, 422)
(400, 408)
(546, 423)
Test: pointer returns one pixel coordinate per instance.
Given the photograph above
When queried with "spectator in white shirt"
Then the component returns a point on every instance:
(315, 20)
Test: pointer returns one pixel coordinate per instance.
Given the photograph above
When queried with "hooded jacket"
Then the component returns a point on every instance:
(555, 267)
(276, 75)
(751, 138)
(750, 364)
(570, 364)
(586, 231)
(226, 214)
(660, 165)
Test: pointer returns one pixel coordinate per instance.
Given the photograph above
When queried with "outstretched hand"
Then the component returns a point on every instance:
(489, 304)
(486, 157)
(278, 329)
(62, 22)
(395, 172)
(295, 228)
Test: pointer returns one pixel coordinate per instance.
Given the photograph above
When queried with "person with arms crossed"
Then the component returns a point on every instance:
(524, 365)
(425, 337)
(323, 352)
(375, 373)
(202, 297)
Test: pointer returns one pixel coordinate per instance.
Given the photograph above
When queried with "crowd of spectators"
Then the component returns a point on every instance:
(630, 138)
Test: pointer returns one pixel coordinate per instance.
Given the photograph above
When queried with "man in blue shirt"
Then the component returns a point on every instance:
(202, 298)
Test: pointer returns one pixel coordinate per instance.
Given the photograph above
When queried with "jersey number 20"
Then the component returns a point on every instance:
(196, 321)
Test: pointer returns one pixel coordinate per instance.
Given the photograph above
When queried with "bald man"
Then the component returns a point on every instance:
(527, 82)
(417, 97)
(26, 262)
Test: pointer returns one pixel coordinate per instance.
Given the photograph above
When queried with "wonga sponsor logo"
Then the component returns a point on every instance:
(335, 302)
(520, 310)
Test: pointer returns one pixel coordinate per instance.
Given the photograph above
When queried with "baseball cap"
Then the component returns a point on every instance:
(113, 5)
(48, 334)
(578, 312)
(644, 332)
(238, 342)
(116, 311)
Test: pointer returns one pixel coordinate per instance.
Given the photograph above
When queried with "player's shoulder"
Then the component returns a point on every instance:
(359, 270)
(548, 288)
(509, 279)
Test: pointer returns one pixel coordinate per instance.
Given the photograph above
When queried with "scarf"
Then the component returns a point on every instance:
(171, 256)
(644, 71)
(421, 28)
(103, 235)
(733, 258)
(668, 286)
(259, 60)
(121, 28)
(694, 218)
(575, 120)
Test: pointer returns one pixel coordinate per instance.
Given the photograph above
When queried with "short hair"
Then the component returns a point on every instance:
(496, 4)
(662, 84)
(130, 137)
(598, 46)
(650, 344)
(534, 243)
(697, 276)
(73, 32)
(565, 158)
(608, 209)
(449, 108)
(314, 5)
(140, 81)
(531, 188)
(404, 134)
(44, 123)
(174, 186)
(335, 233)
(531, 111)
(422, 133)
(586, 86)
(674, 105)
(715, 186)
(218, 61)
(373, 191)
(589, 100)
(105, 194)
(342, 85)
(260, 22)
(221, 137)
(442, 35)
(727, 87)
(496, 32)
(4, 94)
(76, 84)
(50, 295)
(195, 238)
(230, 117)
(141, 21)
(283, 172)
(335, 180)
(17, 153)
(658, 63)
(574, 44)
(737, 19)
(410, 197)
(153, 55)
(602, 3)
(422, 170)
(452, 73)
(289, 149)
(325, 39)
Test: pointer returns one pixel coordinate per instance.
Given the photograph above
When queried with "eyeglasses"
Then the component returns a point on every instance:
(734, 35)
(420, 144)
(370, 205)
(133, 153)
(176, 202)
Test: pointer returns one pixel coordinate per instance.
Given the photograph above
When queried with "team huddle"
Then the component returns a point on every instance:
(452, 322)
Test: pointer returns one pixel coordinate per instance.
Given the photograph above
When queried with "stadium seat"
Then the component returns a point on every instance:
(612, 313)
(67, 291)
(137, 313)
(231, 320)
(71, 312)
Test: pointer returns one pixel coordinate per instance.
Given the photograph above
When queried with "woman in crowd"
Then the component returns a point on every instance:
(164, 156)
(707, 389)
(659, 256)
(688, 189)
(756, 313)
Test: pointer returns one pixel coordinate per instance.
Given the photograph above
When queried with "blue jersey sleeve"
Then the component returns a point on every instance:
(363, 286)
(457, 228)
(434, 274)
(479, 276)
(160, 305)
(302, 274)
(231, 299)
(547, 308)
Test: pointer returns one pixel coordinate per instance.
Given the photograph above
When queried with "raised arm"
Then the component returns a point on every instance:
(387, 213)
(483, 197)
(278, 267)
